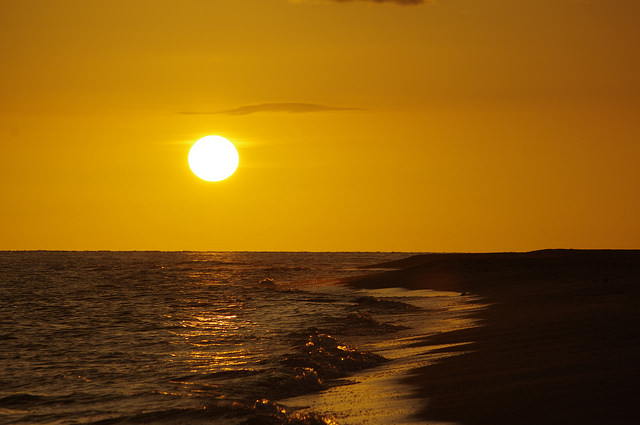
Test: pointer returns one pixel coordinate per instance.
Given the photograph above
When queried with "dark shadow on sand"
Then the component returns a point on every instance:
(558, 344)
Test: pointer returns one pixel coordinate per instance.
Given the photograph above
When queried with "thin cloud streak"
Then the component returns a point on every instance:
(398, 2)
(286, 107)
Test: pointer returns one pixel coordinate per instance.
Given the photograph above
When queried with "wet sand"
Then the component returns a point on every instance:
(559, 342)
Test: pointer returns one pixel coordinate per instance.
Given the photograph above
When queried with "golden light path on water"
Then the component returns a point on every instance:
(204, 332)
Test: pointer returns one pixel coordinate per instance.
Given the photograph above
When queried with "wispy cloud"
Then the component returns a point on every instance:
(288, 107)
(399, 2)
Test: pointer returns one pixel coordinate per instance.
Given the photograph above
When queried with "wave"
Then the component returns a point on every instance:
(225, 374)
(259, 412)
(27, 401)
(362, 323)
(327, 356)
(297, 381)
(384, 305)
(20, 400)
(285, 268)
(253, 412)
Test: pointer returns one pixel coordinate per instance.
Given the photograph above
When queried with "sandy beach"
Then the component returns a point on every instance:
(558, 343)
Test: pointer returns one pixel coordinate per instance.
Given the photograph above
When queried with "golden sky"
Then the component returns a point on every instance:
(406, 125)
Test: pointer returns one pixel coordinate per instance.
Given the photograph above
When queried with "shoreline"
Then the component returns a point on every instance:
(558, 343)
(381, 395)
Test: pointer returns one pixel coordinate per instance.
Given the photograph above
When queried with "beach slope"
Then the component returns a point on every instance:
(559, 342)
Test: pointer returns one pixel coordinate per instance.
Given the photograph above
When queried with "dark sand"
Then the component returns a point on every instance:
(558, 344)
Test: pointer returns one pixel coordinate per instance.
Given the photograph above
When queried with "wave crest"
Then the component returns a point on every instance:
(327, 356)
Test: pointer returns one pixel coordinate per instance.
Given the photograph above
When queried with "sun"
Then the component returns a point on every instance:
(213, 158)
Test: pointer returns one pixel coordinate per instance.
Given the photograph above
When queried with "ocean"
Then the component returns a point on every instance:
(202, 337)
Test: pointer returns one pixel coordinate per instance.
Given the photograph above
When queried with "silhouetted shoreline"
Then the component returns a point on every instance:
(558, 343)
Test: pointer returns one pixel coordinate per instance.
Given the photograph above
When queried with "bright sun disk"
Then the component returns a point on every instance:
(213, 158)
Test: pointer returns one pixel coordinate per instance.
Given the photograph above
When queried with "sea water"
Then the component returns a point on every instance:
(190, 337)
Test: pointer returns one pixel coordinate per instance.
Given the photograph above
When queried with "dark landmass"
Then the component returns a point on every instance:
(558, 344)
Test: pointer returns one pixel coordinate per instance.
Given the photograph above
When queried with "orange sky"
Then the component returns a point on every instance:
(448, 125)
